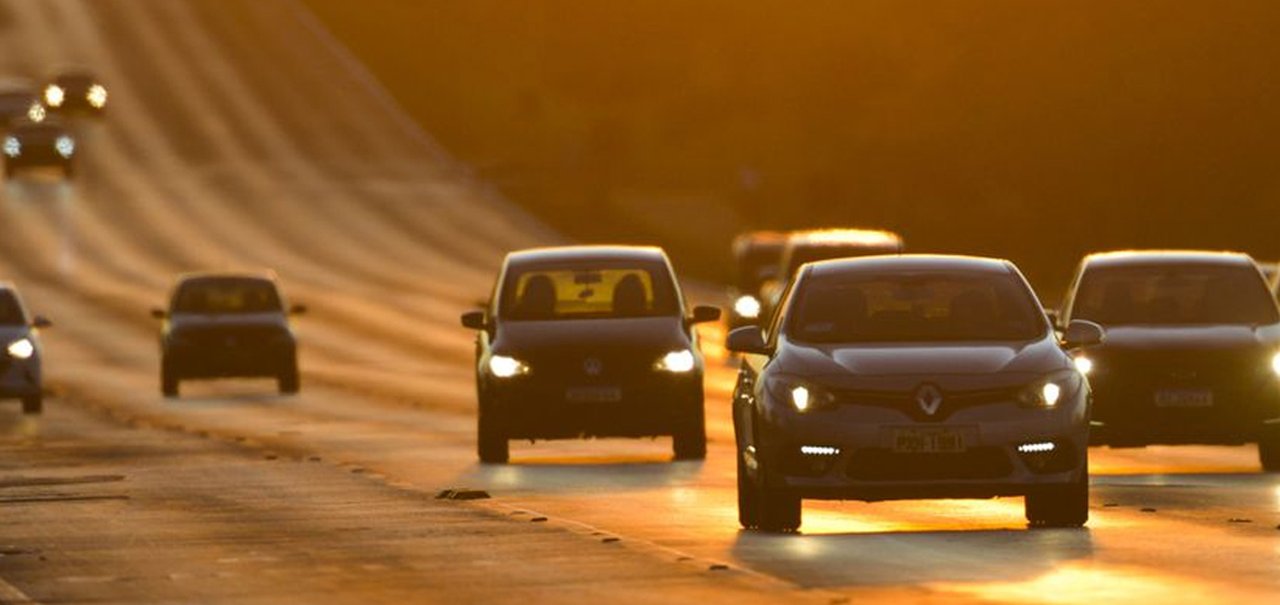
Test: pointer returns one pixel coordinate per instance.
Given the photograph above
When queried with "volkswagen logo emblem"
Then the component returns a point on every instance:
(593, 366)
(929, 398)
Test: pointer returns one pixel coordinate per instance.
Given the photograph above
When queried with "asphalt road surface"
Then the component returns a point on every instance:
(239, 135)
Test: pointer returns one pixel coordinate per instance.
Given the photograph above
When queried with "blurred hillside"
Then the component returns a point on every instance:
(1031, 130)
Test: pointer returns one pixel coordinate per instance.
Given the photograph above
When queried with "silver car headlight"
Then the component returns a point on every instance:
(677, 362)
(54, 95)
(65, 146)
(801, 395)
(22, 348)
(503, 366)
(747, 307)
(1052, 390)
(12, 146)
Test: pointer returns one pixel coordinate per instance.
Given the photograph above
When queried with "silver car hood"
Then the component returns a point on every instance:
(9, 334)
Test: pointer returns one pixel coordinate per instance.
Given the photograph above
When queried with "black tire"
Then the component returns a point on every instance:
(690, 441)
(779, 511)
(748, 498)
(289, 382)
(169, 382)
(491, 443)
(1269, 451)
(1060, 505)
(33, 404)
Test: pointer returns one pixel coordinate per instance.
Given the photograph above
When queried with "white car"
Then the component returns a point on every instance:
(20, 376)
(915, 376)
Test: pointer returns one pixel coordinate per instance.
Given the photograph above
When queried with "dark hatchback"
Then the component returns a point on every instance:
(1192, 353)
(227, 325)
(588, 341)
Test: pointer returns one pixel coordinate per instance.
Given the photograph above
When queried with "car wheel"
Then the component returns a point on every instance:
(289, 382)
(1060, 505)
(33, 405)
(779, 511)
(168, 383)
(748, 498)
(690, 441)
(1269, 451)
(491, 443)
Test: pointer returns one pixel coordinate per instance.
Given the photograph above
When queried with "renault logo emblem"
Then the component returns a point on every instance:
(593, 366)
(929, 398)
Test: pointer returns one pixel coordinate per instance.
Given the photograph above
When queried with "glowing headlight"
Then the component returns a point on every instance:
(54, 95)
(678, 362)
(21, 349)
(1048, 393)
(36, 113)
(65, 146)
(502, 366)
(12, 147)
(97, 96)
(1085, 365)
(801, 398)
(747, 307)
(1275, 363)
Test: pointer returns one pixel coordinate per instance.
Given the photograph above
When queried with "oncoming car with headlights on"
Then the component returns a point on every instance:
(823, 244)
(75, 91)
(588, 341)
(46, 144)
(20, 361)
(755, 261)
(18, 102)
(902, 377)
(1193, 353)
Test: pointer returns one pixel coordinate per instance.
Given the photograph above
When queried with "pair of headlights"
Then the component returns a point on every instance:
(1042, 394)
(22, 348)
(64, 145)
(55, 96)
(675, 362)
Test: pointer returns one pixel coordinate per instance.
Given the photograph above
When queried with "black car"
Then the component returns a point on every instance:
(588, 341)
(1192, 353)
(75, 91)
(823, 244)
(227, 325)
(39, 144)
(755, 261)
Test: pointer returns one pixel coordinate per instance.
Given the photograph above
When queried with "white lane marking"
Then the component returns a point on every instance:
(10, 595)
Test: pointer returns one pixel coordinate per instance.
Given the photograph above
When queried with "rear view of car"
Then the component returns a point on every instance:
(46, 144)
(588, 341)
(1192, 353)
(227, 326)
(20, 361)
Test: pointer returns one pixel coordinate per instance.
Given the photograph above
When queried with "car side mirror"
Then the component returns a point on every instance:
(159, 313)
(704, 313)
(475, 320)
(298, 310)
(41, 321)
(747, 339)
(1081, 333)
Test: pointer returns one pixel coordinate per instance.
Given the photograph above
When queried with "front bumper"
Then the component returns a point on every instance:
(868, 467)
(652, 406)
(243, 361)
(19, 378)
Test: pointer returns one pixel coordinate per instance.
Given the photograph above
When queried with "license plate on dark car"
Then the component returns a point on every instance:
(928, 441)
(593, 394)
(1184, 398)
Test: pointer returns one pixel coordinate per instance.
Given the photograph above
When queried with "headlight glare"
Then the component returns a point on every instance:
(12, 146)
(747, 307)
(503, 366)
(97, 96)
(678, 362)
(36, 112)
(801, 398)
(1275, 364)
(22, 348)
(800, 394)
(1085, 365)
(1047, 393)
(65, 146)
(54, 95)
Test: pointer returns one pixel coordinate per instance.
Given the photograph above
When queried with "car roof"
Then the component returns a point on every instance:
(597, 253)
(1172, 257)
(911, 262)
(845, 237)
(263, 274)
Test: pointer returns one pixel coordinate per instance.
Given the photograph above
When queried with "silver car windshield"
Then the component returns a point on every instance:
(1173, 294)
(917, 307)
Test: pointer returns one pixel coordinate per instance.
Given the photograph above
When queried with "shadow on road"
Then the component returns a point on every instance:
(592, 473)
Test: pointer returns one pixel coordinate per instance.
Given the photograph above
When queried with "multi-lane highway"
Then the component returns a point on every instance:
(240, 135)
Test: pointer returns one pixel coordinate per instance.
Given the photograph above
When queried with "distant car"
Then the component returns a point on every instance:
(1192, 353)
(20, 365)
(46, 144)
(19, 101)
(755, 261)
(75, 91)
(824, 244)
(588, 341)
(228, 325)
(911, 377)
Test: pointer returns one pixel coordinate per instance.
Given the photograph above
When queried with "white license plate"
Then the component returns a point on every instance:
(1184, 398)
(928, 441)
(593, 394)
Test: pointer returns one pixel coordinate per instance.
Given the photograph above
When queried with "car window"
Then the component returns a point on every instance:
(756, 264)
(583, 292)
(227, 296)
(917, 307)
(10, 311)
(808, 254)
(1166, 293)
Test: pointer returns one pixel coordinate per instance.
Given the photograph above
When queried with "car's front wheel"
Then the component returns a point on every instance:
(168, 381)
(491, 442)
(690, 439)
(748, 498)
(289, 382)
(1269, 451)
(1060, 505)
(33, 404)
